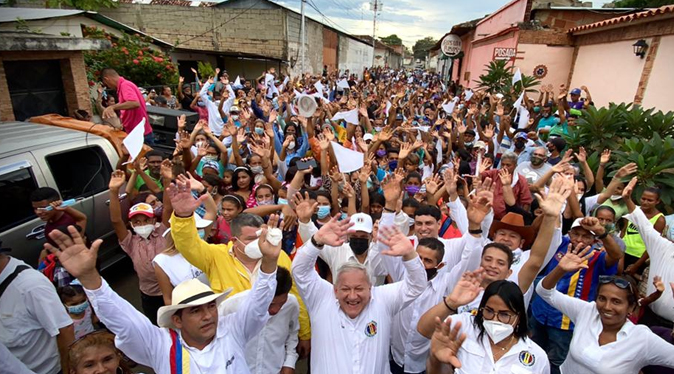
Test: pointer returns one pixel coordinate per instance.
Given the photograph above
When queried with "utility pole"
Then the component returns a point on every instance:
(302, 46)
(375, 6)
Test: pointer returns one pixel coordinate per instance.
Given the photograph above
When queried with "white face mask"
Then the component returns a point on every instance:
(579, 196)
(497, 331)
(410, 221)
(143, 231)
(252, 250)
(616, 197)
(291, 145)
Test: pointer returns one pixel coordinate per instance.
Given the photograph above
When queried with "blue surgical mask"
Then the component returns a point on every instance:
(393, 164)
(282, 201)
(344, 216)
(202, 233)
(79, 308)
(323, 211)
(259, 130)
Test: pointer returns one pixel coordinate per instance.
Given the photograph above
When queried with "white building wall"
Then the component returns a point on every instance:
(354, 55)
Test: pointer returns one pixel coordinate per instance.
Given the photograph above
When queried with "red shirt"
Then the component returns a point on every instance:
(127, 91)
(521, 192)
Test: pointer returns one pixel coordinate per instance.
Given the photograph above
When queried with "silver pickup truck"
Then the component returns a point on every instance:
(75, 163)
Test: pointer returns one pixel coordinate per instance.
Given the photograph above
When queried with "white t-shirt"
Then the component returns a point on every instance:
(178, 269)
(31, 315)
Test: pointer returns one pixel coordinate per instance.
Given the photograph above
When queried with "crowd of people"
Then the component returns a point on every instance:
(382, 221)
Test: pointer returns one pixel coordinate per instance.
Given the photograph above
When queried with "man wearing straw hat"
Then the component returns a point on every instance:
(192, 338)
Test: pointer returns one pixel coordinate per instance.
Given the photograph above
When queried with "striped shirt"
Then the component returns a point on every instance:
(582, 285)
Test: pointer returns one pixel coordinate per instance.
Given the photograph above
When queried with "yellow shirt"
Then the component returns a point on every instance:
(223, 269)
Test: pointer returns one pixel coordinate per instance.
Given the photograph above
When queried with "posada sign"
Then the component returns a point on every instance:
(501, 53)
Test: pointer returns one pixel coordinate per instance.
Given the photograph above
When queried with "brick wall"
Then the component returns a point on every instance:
(549, 37)
(256, 31)
(74, 78)
(638, 31)
(565, 19)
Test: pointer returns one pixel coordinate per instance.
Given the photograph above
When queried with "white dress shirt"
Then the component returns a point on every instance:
(635, 346)
(661, 252)
(525, 357)
(150, 345)
(31, 315)
(215, 122)
(276, 345)
(178, 269)
(335, 257)
(11, 364)
(408, 347)
(352, 346)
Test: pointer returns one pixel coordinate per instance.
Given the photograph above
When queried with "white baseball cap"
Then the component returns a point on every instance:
(362, 222)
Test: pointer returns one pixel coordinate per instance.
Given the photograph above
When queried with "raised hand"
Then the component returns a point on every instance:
(658, 284)
(75, 257)
(334, 232)
(166, 170)
(627, 191)
(397, 242)
(348, 191)
(480, 203)
(202, 150)
(467, 289)
(56, 205)
(505, 176)
(593, 225)
(559, 191)
(405, 150)
(289, 218)
(432, 184)
(268, 250)
(489, 131)
(184, 204)
(450, 179)
(626, 170)
(605, 157)
(304, 207)
(117, 180)
(364, 172)
(391, 185)
(184, 141)
(181, 122)
(241, 135)
(575, 258)
(581, 156)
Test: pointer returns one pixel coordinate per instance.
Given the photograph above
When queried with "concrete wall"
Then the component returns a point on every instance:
(659, 89)
(557, 59)
(354, 55)
(623, 72)
(205, 28)
(313, 44)
(482, 53)
(509, 15)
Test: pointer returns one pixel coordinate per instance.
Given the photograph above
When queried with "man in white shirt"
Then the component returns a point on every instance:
(274, 349)
(357, 249)
(351, 321)
(34, 325)
(193, 334)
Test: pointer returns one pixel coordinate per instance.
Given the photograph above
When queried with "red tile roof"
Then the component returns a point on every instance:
(655, 12)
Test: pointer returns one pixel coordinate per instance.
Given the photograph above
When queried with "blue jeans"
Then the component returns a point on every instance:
(554, 341)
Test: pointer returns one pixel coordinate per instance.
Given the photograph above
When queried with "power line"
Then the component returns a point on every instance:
(222, 24)
(326, 18)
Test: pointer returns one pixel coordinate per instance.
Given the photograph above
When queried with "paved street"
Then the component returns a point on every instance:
(124, 281)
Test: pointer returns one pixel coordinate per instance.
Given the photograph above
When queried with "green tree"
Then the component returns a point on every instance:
(392, 39)
(81, 4)
(422, 46)
(498, 77)
(638, 3)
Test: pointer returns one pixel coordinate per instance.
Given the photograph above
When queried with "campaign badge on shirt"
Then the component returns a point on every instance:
(558, 256)
(371, 329)
(527, 358)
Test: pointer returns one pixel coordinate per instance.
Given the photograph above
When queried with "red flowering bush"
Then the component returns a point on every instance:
(132, 57)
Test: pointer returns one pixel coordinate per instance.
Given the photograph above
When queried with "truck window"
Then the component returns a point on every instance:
(15, 189)
(81, 172)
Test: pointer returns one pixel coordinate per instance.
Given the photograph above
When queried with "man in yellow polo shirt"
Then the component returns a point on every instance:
(226, 265)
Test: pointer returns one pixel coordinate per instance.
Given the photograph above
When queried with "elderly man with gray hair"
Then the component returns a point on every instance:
(511, 190)
(351, 321)
(536, 167)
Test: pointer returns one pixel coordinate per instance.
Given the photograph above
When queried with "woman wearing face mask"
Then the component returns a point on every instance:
(142, 243)
(412, 184)
(95, 353)
(214, 186)
(494, 340)
(292, 143)
(604, 340)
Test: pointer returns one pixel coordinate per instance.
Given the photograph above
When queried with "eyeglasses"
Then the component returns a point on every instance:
(619, 282)
(503, 317)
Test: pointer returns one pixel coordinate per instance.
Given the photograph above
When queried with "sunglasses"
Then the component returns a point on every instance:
(619, 282)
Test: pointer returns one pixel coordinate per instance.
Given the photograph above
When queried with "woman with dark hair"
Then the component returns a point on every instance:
(96, 353)
(604, 340)
(243, 184)
(493, 340)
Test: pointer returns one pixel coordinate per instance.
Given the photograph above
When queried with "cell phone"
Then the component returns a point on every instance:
(304, 165)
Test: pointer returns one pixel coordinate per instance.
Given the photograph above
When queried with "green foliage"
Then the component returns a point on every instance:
(81, 4)
(634, 134)
(422, 46)
(655, 159)
(392, 39)
(131, 57)
(205, 69)
(638, 3)
(498, 78)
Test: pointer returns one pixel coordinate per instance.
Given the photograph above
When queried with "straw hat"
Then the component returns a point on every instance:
(514, 222)
(188, 294)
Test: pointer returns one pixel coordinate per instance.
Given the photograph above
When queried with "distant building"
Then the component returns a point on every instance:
(384, 55)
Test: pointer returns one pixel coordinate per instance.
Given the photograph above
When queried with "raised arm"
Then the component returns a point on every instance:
(116, 182)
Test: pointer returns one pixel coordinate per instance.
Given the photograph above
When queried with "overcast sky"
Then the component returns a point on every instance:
(409, 19)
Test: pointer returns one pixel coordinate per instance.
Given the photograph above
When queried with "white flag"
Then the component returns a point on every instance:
(134, 141)
(469, 94)
(438, 147)
(347, 159)
(343, 84)
(388, 107)
(237, 82)
(524, 118)
(350, 116)
(517, 77)
(518, 103)
(319, 87)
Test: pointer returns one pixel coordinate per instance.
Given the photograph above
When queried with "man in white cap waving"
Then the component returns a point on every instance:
(193, 338)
